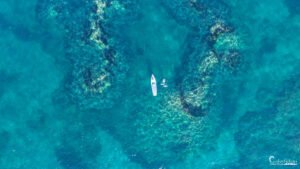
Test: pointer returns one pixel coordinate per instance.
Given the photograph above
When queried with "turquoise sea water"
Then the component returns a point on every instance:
(75, 84)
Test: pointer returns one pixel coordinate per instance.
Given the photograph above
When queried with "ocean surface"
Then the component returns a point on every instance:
(75, 87)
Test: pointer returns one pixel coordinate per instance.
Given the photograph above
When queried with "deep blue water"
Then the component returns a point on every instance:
(75, 87)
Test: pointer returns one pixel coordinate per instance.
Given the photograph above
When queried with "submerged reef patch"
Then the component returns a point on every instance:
(97, 66)
(207, 55)
(163, 133)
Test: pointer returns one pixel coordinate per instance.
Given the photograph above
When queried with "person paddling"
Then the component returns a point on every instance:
(164, 83)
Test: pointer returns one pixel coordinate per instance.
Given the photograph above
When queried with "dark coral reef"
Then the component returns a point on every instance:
(97, 66)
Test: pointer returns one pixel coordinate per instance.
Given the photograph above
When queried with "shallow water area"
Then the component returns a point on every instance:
(75, 87)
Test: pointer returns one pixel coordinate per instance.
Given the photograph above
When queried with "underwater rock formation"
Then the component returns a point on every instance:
(97, 66)
(195, 85)
(163, 133)
(207, 53)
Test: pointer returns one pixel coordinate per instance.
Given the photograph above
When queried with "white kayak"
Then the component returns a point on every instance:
(153, 85)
